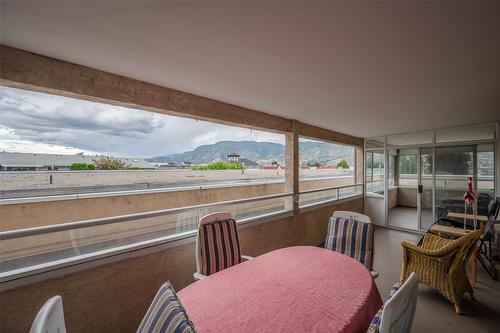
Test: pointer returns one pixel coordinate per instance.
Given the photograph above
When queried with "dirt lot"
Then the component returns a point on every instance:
(30, 183)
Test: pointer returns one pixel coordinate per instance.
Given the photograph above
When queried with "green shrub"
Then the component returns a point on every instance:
(314, 163)
(343, 164)
(219, 165)
(82, 166)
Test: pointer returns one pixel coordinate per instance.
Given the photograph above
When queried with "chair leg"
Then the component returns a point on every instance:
(457, 308)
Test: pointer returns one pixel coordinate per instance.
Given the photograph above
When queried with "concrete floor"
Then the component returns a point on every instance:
(434, 312)
(406, 217)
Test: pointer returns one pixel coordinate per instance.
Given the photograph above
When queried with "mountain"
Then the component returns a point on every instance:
(325, 153)
(260, 152)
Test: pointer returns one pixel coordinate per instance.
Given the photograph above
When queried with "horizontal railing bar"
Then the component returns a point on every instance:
(322, 202)
(328, 188)
(34, 270)
(86, 195)
(124, 218)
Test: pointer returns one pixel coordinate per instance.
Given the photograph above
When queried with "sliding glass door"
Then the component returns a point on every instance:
(375, 185)
(419, 177)
(403, 195)
(410, 192)
(425, 189)
(454, 165)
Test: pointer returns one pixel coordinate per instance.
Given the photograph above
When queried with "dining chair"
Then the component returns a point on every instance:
(50, 318)
(397, 313)
(351, 233)
(440, 263)
(217, 245)
(166, 314)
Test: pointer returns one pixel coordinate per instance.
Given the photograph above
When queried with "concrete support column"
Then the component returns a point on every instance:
(497, 162)
(292, 165)
(358, 164)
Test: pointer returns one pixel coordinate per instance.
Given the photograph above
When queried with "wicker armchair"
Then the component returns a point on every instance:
(440, 263)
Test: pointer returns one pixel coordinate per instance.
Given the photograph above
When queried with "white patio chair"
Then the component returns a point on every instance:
(50, 318)
(352, 215)
(220, 230)
(366, 257)
(399, 310)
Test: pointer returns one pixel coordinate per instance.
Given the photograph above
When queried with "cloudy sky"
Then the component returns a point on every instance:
(41, 123)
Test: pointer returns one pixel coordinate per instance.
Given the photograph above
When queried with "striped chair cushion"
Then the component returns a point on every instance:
(219, 246)
(166, 314)
(375, 324)
(352, 238)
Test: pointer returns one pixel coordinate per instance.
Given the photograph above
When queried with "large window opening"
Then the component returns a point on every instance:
(94, 178)
(326, 172)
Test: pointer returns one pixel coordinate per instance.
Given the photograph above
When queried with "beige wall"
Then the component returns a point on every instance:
(393, 197)
(114, 297)
(407, 197)
(27, 215)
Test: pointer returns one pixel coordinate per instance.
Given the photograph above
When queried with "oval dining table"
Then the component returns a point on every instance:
(294, 289)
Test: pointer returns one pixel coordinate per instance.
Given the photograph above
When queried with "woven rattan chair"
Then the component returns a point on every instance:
(440, 263)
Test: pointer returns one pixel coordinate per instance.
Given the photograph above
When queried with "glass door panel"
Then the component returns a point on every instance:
(453, 166)
(425, 189)
(375, 185)
(485, 184)
(403, 199)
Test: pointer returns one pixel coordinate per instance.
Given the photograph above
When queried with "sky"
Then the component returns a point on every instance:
(33, 122)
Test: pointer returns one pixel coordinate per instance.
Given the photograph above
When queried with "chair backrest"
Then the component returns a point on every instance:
(493, 208)
(50, 318)
(166, 314)
(217, 243)
(463, 248)
(351, 237)
(399, 310)
(352, 215)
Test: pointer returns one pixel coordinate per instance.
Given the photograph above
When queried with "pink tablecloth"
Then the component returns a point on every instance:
(296, 289)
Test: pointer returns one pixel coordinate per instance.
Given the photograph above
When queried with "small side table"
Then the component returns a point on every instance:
(460, 217)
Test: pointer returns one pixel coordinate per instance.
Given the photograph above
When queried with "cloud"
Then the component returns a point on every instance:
(43, 123)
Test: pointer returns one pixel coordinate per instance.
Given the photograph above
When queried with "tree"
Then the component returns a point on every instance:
(109, 163)
(454, 163)
(219, 165)
(408, 164)
(82, 166)
(343, 164)
(314, 163)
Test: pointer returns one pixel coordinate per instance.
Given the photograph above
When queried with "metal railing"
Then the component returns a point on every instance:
(129, 217)
(29, 264)
(329, 188)
(337, 195)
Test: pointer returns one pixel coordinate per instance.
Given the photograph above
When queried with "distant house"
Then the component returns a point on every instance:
(53, 162)
(233, 157)
(168, 165)
(249, 163)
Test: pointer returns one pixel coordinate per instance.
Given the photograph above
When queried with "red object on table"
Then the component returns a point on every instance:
(469, 199)
(296, 289)
(469, 196)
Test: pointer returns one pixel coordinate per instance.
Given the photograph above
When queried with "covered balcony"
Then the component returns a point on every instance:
(285, 124)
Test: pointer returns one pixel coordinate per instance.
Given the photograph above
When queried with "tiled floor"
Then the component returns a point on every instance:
(434, 312)
(406, 217)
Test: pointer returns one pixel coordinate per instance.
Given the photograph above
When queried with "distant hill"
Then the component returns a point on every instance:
(260, 152)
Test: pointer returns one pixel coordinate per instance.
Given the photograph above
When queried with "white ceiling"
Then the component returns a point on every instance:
(359, 68)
